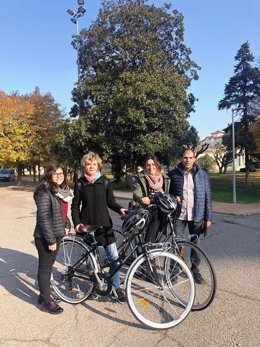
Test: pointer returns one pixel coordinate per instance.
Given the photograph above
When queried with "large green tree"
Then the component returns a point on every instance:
(240, 94)
(134, 74)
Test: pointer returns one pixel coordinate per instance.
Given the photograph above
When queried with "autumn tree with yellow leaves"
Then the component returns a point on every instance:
(28, 125)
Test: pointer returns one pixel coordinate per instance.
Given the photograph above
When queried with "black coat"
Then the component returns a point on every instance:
(49, 224)
(90, 206)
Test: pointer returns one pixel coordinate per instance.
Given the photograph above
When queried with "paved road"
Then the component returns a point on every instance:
(232, 319)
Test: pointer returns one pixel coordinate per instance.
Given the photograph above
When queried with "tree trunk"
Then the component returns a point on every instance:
(34, 173)
(19, 174)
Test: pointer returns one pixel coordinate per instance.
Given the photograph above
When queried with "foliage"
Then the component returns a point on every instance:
(28, 125)
(223, 156)
(255, 130)
(45, 124)
(16, 138)
(134, 74)
(206, 162)
(240, 94)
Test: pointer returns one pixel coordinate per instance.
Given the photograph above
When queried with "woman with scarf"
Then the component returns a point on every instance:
(93, 194)
(145, 185)
(51, 197)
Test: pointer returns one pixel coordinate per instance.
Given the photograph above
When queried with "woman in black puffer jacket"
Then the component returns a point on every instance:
(51, 198)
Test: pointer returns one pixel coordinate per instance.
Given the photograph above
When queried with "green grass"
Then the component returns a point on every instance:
(222, 187)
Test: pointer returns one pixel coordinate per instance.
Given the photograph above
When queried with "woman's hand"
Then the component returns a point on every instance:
(79, 227)
(53, 247)
(145, 201)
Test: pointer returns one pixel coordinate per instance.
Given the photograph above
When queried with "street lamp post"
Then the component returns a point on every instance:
(234, 155)
(75, 15)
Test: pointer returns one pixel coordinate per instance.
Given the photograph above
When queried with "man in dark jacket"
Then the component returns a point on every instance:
(190, 185)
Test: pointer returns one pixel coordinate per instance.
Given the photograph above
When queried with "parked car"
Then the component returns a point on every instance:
(7, 175)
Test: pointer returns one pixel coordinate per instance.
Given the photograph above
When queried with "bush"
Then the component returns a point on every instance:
(251, 169)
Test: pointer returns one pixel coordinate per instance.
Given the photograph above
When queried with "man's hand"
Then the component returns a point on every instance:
(205, 227)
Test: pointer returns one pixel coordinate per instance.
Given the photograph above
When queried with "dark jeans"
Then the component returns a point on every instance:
(194, 228)
(46, 261)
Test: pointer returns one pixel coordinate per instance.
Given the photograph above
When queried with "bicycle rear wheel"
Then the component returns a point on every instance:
(206, 290)
(72, 282)
(157, 296)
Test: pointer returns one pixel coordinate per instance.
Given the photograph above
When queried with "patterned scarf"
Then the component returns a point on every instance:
(155, 182)
(65, 194)
(92, 179)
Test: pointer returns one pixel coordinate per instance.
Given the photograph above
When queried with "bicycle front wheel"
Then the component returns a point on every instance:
(157, 295)
(198, 262)
(72, 280)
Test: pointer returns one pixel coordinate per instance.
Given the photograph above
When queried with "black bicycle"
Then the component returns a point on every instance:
(159, 286)
(183, 246)
(192, 254)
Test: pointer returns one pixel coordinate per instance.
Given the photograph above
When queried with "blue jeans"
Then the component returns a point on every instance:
(112, 254)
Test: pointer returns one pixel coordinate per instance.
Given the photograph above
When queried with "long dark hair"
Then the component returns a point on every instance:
(47, 183)
(155, 159)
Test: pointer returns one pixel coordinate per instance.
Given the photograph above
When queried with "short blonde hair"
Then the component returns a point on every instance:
(90, 157)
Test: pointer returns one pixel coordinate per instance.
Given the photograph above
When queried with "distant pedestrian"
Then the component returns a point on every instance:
(191, 187)
(51, 198)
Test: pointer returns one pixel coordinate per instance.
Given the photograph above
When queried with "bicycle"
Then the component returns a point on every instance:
(184, 247)
(191, 253)
(157, 295)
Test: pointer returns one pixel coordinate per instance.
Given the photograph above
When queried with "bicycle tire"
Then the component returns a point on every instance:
(71, 286)
(205, 291)
(155, 298)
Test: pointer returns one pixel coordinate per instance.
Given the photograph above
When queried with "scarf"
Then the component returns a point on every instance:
(92, 179)
(65, 194)
(155, 182)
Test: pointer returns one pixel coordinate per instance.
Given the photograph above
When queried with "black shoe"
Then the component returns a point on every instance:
(54, 297)
(198, 278)
(118, 295)
(52, 308)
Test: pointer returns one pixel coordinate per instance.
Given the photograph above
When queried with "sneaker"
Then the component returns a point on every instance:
(118, 295)
(198, 278)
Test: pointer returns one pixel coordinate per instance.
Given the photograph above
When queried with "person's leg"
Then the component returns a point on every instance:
(195, 228)
(46, 260)
(179, 226)
(112, 254)
(152, 230)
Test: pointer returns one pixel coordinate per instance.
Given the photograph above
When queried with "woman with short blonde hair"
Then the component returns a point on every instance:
(90, 157)
(93, 194)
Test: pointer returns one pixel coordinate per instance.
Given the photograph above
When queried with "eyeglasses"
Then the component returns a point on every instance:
(58, 175)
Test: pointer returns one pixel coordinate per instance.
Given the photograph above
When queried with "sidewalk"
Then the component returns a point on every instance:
(218, 207)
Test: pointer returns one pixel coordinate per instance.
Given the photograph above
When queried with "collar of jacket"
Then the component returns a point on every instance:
(195, 168)
(164, 175)
(85, 181)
